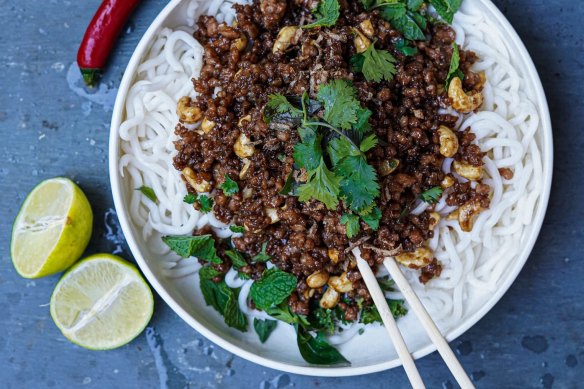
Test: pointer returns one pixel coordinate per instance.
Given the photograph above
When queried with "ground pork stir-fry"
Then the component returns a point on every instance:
(244, 162)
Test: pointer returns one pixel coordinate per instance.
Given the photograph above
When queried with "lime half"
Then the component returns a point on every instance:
(52, 229)
(102, 303)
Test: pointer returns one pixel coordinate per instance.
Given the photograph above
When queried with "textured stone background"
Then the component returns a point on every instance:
(51, 126)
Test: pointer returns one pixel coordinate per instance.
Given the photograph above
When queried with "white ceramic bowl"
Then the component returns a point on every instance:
(280, 352)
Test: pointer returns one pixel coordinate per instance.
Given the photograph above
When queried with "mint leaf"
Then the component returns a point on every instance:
(201, 246)
(351, 222)
(454, 70)
(237, 229)
(224, 300)
(284, 313)
(323, 320)
(229, 187)
(432, 196)
(317, 350)
(289, 186)
(233, 315)
(327, 13)
(262, 255)
(322, 185)
(411, 25)
(264, 328)
(190, 198)
(206, 203)
(236, 257)
(208, 272)
(446, 8)
(402, 46)
(372, 218)
(274, 287)
(148, 192)
(415, 5)
(340, 103)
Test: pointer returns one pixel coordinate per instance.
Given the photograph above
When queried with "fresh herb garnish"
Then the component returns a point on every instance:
(376, 65)
(206, 203)
(454, 70)
(386, 284)
(208, 272)
(315, 349)
(284, 313)
(224, 300)
(264, 328)
(272, 288)
(322, 185)
(432, 195)
(323, 320)
(372, 218)
(237, 229)
(340, 103)
(148, 192)
(446, 8)
(190, 198)
(237, 258)
(351, 223)
(201, 246)
(229, 187)
(262, 256)
(402, 46)
(327, 13)
(370, 314)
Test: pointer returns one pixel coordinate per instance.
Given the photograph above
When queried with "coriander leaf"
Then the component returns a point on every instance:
(308, 154)
(290, 185)
(284, 313)
(237, 229)
(362, 126)
(357, 62)
(370, 314)
(206, 203)
(262, 255)
(446, 8)
(340, 103)
(201, 246)
(272, 288)
(372, 218)
(317, 350)
(278, 108)
(369, 143)
(232, 314)
(208, 272)
(386, 284)
(432, 195)
(454, 70)
(351, 222)
(402, 46)
(327, 13)
(148, 192)
(378, 64)
(359, 182)
(229, 187)
(322, 185)
(190, 198)
(322, 320)
(236, 257)
(339, 148)
(264, 328)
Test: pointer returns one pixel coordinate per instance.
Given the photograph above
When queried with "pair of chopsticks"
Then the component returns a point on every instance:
(416, 306)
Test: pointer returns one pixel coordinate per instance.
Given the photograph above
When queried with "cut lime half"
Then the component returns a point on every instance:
(52, 229)
(102, 303)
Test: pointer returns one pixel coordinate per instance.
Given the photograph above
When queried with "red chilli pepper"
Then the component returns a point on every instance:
(101, 35)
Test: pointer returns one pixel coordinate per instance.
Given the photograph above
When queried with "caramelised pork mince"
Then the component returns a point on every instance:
(322, 126)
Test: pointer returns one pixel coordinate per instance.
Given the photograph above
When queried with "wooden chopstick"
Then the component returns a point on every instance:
(388, 320)
(427, 322)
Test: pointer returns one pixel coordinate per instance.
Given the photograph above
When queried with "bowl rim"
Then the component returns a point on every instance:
(115, 180)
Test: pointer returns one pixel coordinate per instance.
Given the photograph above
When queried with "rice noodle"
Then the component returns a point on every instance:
(472, 262)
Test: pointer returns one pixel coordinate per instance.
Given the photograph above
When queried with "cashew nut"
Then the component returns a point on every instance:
(244, 169)
(447, 182)
(462, 101)
(284, 39)
(240, 43)
(329, 299)
(341, 283)
(468, 171)
(388, 166)
(467, 214)
(367, 27)
(448, 141)
(247, 192)
(187, 112)
(333, 254)
(198, 184)
(317, 279)
(421, 257)
(361, 42)
(207, 125)
(243, 147)
(273, 215)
